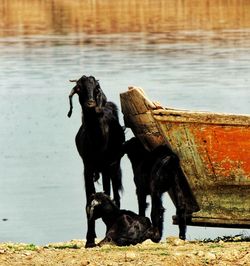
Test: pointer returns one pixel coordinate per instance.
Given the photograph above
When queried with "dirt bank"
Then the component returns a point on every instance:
(170, 252)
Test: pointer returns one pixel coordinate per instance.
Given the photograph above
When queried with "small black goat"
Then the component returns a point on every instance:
(99, 142)
(123, 227)
(157, 172)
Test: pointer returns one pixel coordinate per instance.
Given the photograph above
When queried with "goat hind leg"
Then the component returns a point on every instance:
(106, 183)
(157, 212)
(116, 176)
(180, 209)
(90, 189)
(105, 241)
(181, 214)
(142, 204)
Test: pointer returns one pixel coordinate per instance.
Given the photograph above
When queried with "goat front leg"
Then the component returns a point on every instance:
(116, 179)
(90, 189)
(142, 201)
(157, 212)
(91, 235)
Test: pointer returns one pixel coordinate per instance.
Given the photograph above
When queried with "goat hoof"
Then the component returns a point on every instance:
(156, 237)
(156, 240)
(90, 245)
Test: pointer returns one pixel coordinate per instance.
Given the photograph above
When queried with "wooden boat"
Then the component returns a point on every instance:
(214, 150)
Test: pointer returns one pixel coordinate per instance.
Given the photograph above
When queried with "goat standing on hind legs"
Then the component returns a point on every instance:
(99, 142)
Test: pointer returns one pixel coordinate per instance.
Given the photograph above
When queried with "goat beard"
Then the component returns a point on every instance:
(99, 110)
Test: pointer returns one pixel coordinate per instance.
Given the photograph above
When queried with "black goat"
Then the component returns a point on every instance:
(123, 227)
(157, 172)
(99, 142)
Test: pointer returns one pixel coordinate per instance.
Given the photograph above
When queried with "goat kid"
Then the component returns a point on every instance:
(98, 141)
(157, 172)
(123, 227)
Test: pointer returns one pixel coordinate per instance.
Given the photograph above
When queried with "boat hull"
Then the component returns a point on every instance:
(214, 150)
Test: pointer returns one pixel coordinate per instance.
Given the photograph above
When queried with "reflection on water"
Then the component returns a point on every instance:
(186, 54)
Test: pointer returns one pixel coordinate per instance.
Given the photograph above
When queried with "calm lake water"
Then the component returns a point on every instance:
(184, 54)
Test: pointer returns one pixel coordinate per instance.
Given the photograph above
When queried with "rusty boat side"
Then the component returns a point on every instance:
(214, 150)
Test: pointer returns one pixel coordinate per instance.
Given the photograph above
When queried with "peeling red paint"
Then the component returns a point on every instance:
(224, 149)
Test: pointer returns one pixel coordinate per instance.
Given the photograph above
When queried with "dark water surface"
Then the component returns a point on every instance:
(182, 62)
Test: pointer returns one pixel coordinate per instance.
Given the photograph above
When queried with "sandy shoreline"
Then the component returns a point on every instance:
(170, 252)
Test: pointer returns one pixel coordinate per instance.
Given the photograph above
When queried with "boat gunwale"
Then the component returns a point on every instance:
(177, 116)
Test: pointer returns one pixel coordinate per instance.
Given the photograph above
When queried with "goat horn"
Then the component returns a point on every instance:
(70, 102)
(73, 80)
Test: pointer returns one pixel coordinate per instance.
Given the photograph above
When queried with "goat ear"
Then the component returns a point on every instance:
(70, 102)
(101, 98)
